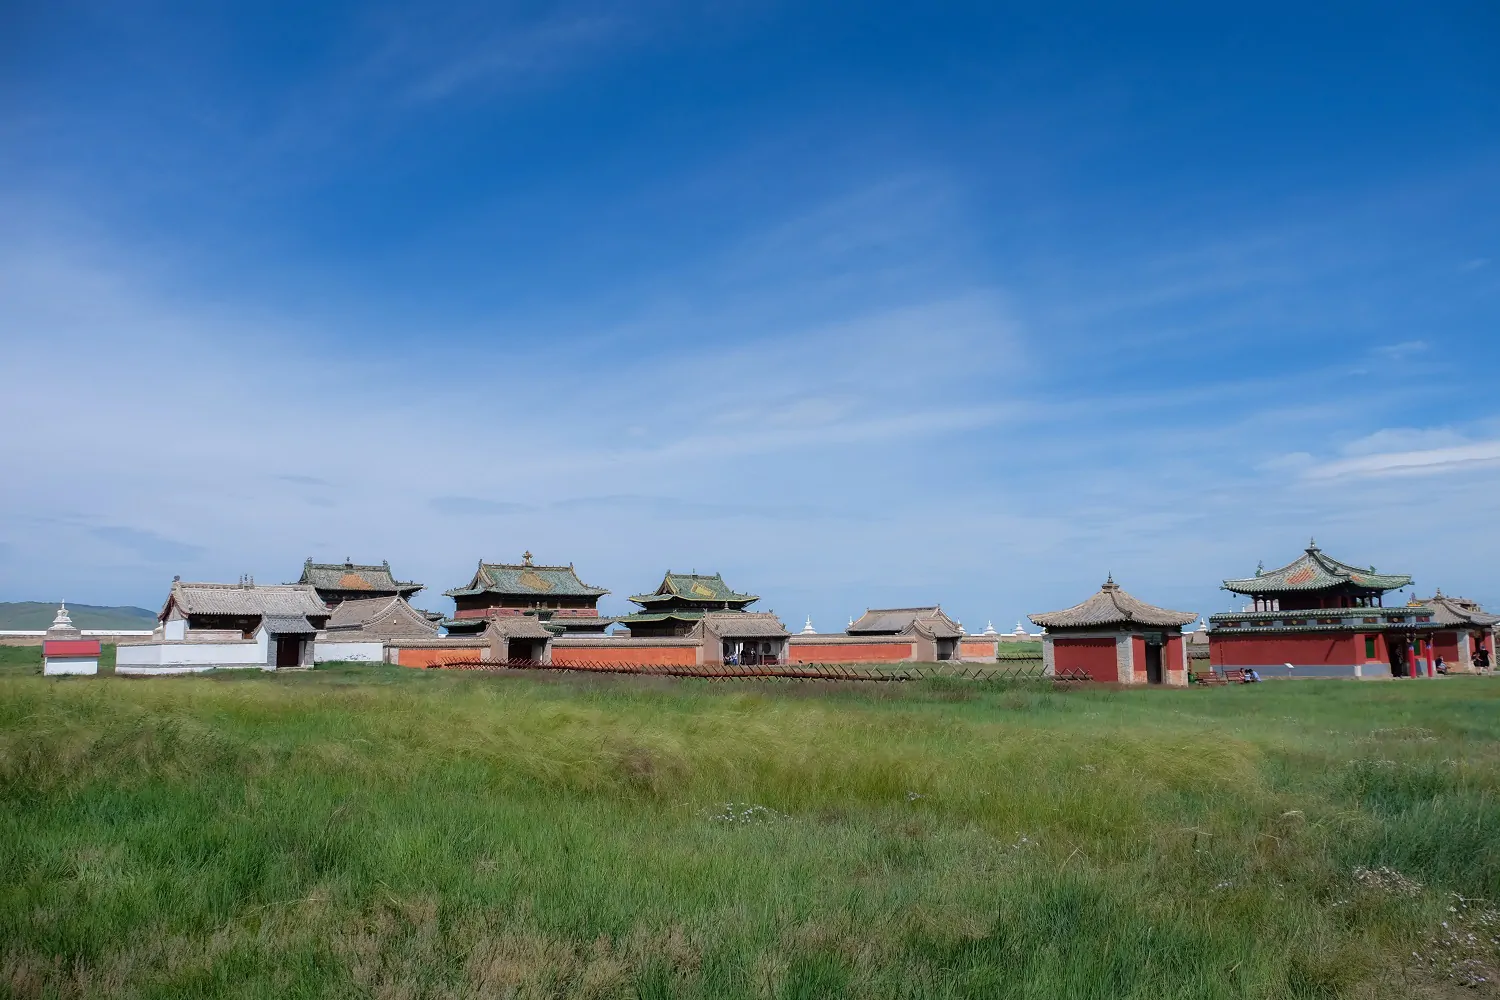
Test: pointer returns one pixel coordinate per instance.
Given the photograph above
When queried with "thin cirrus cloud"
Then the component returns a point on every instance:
(1431, 461)
(627, 504)
(1403, 350)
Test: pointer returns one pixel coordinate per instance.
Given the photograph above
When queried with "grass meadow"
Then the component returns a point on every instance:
(370, 831)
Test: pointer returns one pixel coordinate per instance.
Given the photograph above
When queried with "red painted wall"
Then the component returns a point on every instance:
(634, 655)
(1445, 644)
(1273, 650)
(1138, 656)
(70, 647)
(1171, 654)
(855, 652)
(1095, 657)
(976, 648)
(437, 657)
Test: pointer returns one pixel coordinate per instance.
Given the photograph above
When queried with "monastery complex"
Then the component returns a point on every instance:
(1314, 617)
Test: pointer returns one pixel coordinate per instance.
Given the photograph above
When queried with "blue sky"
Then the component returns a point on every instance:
(857, 304)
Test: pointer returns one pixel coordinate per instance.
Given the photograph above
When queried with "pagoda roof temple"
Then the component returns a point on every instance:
(1112, 607)
(1314, 570)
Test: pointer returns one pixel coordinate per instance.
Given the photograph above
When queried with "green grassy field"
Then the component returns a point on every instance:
(378, 832)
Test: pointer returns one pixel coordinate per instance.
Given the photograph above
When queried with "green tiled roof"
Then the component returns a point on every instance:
(1315, 571)
(693, 587)
(356, 576)
(526, 580)
(685, 615)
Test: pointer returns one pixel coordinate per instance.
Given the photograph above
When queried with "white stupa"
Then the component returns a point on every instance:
(989, 629)
(1019, 630)
(65, 650)
(808, 628)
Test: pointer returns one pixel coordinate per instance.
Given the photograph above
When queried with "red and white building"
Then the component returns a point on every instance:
(1318, 617)
(65, 650)
(1465, 636)
(1116, 638)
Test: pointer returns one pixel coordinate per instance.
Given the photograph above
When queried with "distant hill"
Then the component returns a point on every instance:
(39, 614)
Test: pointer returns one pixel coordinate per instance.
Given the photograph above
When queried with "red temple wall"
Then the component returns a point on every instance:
(852, 652)
(1171, 653)
(429, 657)
(1095, 657)
(1274, 650)
(1445, 644)
(634, 655)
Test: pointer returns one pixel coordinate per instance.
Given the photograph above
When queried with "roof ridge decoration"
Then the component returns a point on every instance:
(350, 575)
(526, 578)
(694, 587)
(1112, 605)
(1315, 570)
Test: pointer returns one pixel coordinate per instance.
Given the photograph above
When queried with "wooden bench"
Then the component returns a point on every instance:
(1207, 677)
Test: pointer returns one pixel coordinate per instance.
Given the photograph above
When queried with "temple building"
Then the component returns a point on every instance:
(552, 595)
(204, 626)
(1318, 617)
(360, 629)
(930, 625)
(1465, 636)
(1114, 636)
(349, 581)
(679, 604)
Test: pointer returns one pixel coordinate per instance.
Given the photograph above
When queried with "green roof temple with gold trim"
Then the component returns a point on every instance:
(681, 602)
(554, 595)
(351, 581)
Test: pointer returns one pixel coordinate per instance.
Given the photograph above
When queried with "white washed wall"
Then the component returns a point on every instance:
(327, 652)
(56, 665)
(144, 658)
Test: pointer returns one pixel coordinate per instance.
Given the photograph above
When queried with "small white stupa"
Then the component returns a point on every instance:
(1019, 630)
(989, 629)
(65, 650)
(808, 628)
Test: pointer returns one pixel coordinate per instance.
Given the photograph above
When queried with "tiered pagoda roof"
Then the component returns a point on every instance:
(686, 598)
(355, 579)
(1113, 607)
(689, 595)
(525, 579)
(1314, 570)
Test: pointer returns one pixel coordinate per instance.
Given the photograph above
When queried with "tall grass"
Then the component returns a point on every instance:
(373, 831)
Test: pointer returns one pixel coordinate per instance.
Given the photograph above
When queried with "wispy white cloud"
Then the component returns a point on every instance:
(1430, 461)
(512, 52)
(1401, 351)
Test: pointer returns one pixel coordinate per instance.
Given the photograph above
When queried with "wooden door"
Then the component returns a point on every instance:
(288, 651)
(1153, 664)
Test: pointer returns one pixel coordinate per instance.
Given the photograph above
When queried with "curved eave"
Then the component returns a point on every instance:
(1177, 621)
(1260, 585)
